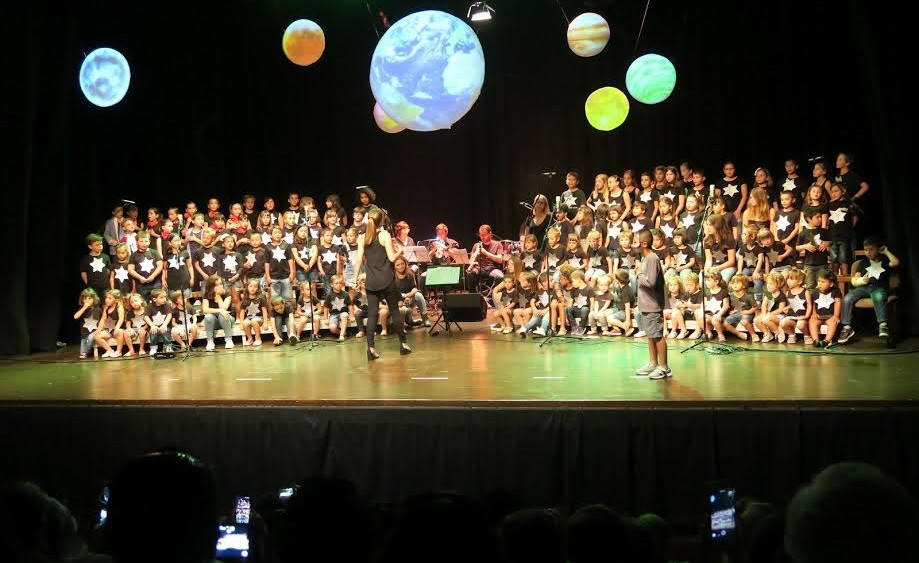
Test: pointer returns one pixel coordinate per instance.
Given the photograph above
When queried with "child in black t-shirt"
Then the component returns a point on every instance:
(772, 308)
(158, 317)
(95, 267)
(640, 221)
(282, 314)
(119, 276)
(840, 225)
(505, 302)
(579, 309)
(649, 197)
(146, 266)
(600, 306)
(178, 273)
(786, 223)
(683, 259)
(827, 302)
(525, 295)
(799, 308)
(338, 308)
(90, 313)
(814, 242)
(717, 304)
(309, 308)
(555, 251)
(252, 313)
(531, 257)
(184, 320)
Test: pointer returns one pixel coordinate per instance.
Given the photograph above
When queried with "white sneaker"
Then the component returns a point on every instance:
(496, 328)
(538, 331)
(153, 349)
(110, 354)
(258, 342)
(246, 342)
(169, 348)
(507, 330)
(229, 345)
(780, 335)
(210, 346)
(522, 331)
(640, 334)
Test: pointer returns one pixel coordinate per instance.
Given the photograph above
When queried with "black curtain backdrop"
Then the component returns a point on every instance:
(215, 109)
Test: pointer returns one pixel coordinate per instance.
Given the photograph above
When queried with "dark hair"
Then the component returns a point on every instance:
(810, 212)
(872, 240)
(644, 237)
(573, 173)
(825, 274)
(93, 237)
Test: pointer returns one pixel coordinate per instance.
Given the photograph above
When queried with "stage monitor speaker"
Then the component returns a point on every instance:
(464, 307)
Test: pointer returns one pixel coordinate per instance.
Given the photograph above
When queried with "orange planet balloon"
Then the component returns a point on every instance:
(303, 42)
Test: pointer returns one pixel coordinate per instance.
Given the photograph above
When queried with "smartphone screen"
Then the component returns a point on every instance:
(103, 505)
(723, 516)
(242, 511)
(232, 543)
(285, 494)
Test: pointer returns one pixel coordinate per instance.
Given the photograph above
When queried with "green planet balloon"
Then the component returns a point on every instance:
(606, 108)
(650, 79)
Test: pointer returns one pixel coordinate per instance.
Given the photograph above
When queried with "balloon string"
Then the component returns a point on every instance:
(637, 39)
(563, 11)
(373, 23)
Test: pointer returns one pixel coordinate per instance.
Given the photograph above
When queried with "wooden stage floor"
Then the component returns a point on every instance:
(473, 368)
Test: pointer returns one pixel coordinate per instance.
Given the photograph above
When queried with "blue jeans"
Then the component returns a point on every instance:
(728, 273)
(757, 284)
(210, 322)
(540, 320)
(878, 296)
(841, 251)
(159, 338)
(86, 344)
(282, 287)
(581, 313)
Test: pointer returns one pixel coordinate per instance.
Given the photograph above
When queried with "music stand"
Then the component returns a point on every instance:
(443, 278)
(416, 254)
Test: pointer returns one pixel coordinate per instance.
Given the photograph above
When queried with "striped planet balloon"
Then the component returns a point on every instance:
(650, 79)
(606, 108)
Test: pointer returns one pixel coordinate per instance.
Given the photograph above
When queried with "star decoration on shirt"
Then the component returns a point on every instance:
(636, 225)
(839, 214)
(304, 253)
(730, 190)
(796, 302)
(668, 231)
(783, 223)
(680, 258)
(250, 258)
(580, 301)
(688, 220)
(90, 324)
(158, 318)
(671, 195)
(719, 256)
(146, 266)
(229, 263)
(595, 261)
(208, 260)
(529, 262)
(773, 256)
(749, 259)
(788, 185)
(336, 240)
(121, 274)
(289, 238)
(338, 304)
(544, 299)
(278, 254)
(825, 301)
(328, 256)
(266, 238)
(645, 196)
(97, 264)
(817, 240)
(574, 261)
(252, 309)
(874, 270)
(614, 231)
(713, 304)
(553, 260)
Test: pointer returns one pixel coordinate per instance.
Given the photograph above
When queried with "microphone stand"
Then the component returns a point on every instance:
(552, 334)
(703, 337)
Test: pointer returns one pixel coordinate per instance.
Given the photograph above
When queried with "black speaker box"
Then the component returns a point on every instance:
(464, 307)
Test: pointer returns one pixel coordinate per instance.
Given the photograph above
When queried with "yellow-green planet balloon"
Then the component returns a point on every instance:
(303, 42)
(650, 78)
(588, 34)
(606, 108)
(384, 122)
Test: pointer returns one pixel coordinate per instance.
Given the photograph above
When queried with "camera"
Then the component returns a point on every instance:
(722, 513)
(232, 543)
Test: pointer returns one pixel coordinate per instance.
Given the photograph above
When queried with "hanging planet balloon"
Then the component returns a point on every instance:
(606, 108)
(385, 122)
(650, 78)
(427, 70)
(588, 34)
(105, 77)
(303, 42)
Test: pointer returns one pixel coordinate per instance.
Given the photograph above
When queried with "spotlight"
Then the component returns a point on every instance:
(479, 11)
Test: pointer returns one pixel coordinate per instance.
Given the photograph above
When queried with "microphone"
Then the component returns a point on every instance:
(525, 204)
(550, 173)
(711, 193)
(815, 158)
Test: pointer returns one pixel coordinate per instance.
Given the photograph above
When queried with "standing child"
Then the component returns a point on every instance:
(135, 326)
(814, 242)
(112, 230)
(717, 208)
(840, 224)
(540, 307)
(578, 309)
(773, 308)
(672, 311)
(330, 263)
(759, 210)
(777, 254)
(254, 260)
(282, 314)
(691, 222)
(598, 260)
(184, 320)
(111, 324)
(95, 267)
(733, 190)
(264, 226)
(205, 258)
(305, 253)
(667, 220)
(816, 201)
(158, 317)
(649, 198)
(743, 308)
(252, 313)
(799, 308)
(194, 237)
(870, 278)
(90, 314)
(651, 304)
(129, 236)
(555, 252)
(338, 308)
(230, 267)
(178, 273)
(692, 307)
(146, 266)
(280, 273)
(786, 222)
(827, 302)
(290, 226)
(752, 256)
(717, 304)
(720, 248)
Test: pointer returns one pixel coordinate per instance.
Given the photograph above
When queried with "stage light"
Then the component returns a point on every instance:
(606, 108)
(479, 11)
(588, 34)
(384, 122)
(650, 78)
(427, 70)
(105, 77)
(303, 42)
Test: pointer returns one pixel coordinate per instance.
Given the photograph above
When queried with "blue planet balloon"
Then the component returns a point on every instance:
(650, 78)
(427, 70)
(105, 77)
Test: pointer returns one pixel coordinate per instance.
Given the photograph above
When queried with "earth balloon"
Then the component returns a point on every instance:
(606, 108)
(588, 34)
(650, 78)
(427, 70)
(303, 42)
(105, 77)
(385, 122)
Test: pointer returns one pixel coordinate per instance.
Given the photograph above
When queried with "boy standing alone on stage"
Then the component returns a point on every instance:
(651, 305)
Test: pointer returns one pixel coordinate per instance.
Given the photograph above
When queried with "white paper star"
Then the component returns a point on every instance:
(278, 254)
(289, 238)
(645, 196)
(839, 214)
(328, 256)
(783, 223)
(97, 264)
(338, 304)
(773, 257)
(825, 301)
(749, 259)
(146, 266)
(788, 185)
(580, 301)
(174, 263)
(304, 253)
(266, 238)
(688, 220)
(614, 231)
(121, 274)
(529, 262)
(544, 298)
(817, 241)
(796, 302)
(875, 270)
(229, 263)
(713, 304)
(595, 261)
(636, 225)
(575, 261)
(250, 258)
(670, 194)
(668, 231)
(252, 310)
(90, 323)
(158, 318)
(719, 256)
(730, 190)
(208, 260)
(336, 240)
(553, 260)
(681, 258)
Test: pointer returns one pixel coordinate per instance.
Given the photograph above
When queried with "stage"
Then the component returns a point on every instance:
(559, 425)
